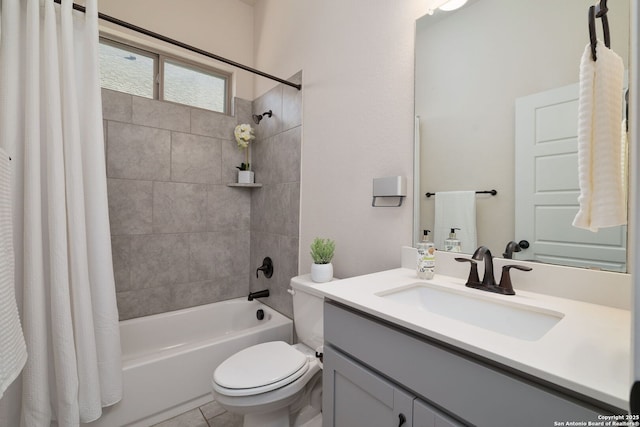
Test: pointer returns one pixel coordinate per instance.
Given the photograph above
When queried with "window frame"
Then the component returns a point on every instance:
(160, 58)
(194, 66)
(140, 51)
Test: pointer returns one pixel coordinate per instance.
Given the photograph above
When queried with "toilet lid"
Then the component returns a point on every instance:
(260, 365)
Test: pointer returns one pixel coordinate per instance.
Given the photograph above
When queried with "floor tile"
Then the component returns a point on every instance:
(227, 419)
(212, 409)
(192, 418)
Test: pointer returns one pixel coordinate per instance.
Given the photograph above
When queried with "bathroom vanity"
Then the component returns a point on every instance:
(391, 359)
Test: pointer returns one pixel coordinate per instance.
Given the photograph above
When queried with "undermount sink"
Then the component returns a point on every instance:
(490, 312)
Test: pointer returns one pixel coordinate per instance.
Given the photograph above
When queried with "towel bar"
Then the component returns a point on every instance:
(492, 192)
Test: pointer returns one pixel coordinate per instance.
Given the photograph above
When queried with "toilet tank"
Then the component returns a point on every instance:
(307, 311)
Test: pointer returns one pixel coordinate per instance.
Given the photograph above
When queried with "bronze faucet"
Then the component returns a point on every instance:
(488, 280)
(510, 249)
(483, 253)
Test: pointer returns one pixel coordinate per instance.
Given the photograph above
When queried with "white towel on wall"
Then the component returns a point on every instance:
(602, 198)
(13, 351)
(456, 209)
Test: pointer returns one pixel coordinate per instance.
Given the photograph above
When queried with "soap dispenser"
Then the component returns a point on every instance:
(452, 244)
(426, 262)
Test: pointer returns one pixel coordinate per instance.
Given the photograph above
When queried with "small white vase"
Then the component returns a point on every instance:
(245, 177)
(321, 273)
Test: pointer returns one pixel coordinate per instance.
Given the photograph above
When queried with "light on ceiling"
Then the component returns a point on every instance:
(446, 5)
(452, 5)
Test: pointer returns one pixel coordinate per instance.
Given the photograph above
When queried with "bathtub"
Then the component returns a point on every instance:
(169, 358)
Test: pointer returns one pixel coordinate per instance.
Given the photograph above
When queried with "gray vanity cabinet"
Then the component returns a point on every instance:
(375, 371)
(360, 397)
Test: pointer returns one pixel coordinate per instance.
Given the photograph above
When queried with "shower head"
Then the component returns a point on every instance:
(258, 117)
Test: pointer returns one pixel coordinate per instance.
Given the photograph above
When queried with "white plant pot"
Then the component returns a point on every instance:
(245, 177)
(321, 273)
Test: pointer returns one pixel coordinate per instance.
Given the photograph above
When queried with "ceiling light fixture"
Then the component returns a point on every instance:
(446, 5)
(452, 5)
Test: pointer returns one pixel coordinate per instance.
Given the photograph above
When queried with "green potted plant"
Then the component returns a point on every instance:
(244, 135)
(322, 251)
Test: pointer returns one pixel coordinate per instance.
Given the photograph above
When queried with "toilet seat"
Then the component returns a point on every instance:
(259, 369)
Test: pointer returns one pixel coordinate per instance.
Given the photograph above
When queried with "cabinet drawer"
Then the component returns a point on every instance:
(479, 393)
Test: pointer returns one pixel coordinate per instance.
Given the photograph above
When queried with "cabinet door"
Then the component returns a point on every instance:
(355, 396)
(424, 415)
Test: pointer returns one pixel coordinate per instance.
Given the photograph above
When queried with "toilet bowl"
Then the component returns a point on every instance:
(276, 384)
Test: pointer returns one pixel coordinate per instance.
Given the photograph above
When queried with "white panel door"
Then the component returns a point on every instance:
(546, 185)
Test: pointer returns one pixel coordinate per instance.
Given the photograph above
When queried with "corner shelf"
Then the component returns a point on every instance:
(254, 185)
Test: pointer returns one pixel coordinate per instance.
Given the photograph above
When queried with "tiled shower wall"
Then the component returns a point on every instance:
(180, 236)
(275, 208)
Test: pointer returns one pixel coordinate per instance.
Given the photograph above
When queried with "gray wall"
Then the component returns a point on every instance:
(180, 236)
(275, 208)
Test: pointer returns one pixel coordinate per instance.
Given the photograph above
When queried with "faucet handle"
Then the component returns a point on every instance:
(506, 287)
(473, 281)
(266, 268)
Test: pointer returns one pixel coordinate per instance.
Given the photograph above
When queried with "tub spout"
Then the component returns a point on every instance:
(258, 294)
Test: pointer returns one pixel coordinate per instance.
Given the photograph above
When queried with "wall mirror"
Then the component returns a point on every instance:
(473, 66)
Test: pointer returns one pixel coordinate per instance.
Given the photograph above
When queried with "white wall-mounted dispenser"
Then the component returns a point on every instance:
(389, 186)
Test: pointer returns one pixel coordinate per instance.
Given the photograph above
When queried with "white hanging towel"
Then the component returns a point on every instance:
(602, 198)
(456, 209)
(13, 351)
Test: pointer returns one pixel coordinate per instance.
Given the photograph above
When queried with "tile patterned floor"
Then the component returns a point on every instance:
(209, 415)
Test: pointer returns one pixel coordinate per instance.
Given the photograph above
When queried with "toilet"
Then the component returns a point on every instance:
(276, 384)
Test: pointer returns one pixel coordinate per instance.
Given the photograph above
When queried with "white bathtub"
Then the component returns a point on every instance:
(169, 358)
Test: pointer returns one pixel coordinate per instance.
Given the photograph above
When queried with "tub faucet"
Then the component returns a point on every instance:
(266, 268)
(258, 294)
(483, 253)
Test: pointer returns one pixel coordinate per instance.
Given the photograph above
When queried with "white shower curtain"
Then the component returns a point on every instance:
(51, 125)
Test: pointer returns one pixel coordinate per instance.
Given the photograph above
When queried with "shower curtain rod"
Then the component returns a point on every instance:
(184, 45)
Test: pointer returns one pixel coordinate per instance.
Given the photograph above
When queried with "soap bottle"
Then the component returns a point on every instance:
(452, 244)
(426, 262)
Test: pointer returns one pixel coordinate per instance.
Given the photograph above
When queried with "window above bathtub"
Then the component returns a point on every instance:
(143, 72)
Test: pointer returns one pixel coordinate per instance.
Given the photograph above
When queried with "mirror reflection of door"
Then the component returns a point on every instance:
(546, 187)
(471, 66)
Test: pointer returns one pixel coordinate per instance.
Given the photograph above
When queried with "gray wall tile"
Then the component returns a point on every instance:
(228, 208)
(179, 207)
(232, 156)
(191, 294)
(196, 158)
(275, 209)
(283, 252)
(218, 255)
(160, 259)
(138, 152)
(143, 302)
(209, 123)
(292, 104)
(271, 100)
(242, 111)
(158, 114)
(277, 159)
(130, 206)
(205, 239)
(121, 255)
(116, 106)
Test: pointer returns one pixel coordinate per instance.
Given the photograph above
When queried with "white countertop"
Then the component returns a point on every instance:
(587, 351)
